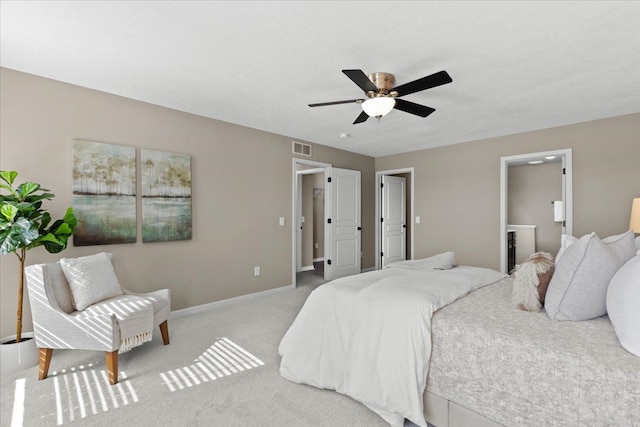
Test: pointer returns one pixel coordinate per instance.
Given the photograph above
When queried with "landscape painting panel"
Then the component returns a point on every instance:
(166, 196)
(104, 193)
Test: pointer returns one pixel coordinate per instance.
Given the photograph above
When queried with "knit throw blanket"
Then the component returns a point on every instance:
(134, 315)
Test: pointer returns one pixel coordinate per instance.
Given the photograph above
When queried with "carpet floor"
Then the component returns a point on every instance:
(221, 369)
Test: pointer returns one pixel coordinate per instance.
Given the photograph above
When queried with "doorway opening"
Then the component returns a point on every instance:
(395, 238)
(308, 246)
(544, 203)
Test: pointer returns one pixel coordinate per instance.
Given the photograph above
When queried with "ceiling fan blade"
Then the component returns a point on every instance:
(361, 118)
(361, 79)
(433, 80)
(322, 104)
(413, 108)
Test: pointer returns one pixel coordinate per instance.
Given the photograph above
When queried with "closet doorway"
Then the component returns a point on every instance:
(536, 204)
(394, 216)
(308, 218)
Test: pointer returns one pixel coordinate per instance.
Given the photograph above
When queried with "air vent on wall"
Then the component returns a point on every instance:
(301, 149)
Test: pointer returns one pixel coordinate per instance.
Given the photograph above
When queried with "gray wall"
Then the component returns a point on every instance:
(457, 187)
(235, 215)
(531, 190)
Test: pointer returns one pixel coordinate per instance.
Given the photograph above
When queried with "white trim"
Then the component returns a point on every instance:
(308, 268)
(294, 198)
(567, 193)
(318, 259)
(521, 225)
(178, 314)
(366, 270)
(379, 175)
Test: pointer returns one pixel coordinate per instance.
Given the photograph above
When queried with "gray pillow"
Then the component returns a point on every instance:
(578, 288)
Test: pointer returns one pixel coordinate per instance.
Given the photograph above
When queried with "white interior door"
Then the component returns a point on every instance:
(343, 223)
(393, 220)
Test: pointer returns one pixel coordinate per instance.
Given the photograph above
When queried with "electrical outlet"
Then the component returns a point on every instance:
(281, 221)
(316, 245)
(417, 220)
(256, 270)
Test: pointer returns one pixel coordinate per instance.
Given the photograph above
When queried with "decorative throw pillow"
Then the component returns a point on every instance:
(578, 288)
(531, 281)
(91, 278)
(622, 245)
(623, 305)
(566, 240)
(443, 261)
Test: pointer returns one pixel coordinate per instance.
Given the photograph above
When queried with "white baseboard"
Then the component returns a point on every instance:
(318, 259)
(177, 314)
(307, 268)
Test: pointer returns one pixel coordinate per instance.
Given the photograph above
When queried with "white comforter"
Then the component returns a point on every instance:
(369, 336)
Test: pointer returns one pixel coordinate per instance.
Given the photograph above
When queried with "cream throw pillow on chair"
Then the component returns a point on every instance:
(91, 278)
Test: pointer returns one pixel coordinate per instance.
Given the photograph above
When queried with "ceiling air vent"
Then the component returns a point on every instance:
(301, 149)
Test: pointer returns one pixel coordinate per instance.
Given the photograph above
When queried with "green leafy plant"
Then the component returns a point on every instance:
(25, 225)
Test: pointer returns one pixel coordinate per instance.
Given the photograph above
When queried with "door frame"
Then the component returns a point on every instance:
(298, 247)
(567, 193)
(379, 175)
(318, 167)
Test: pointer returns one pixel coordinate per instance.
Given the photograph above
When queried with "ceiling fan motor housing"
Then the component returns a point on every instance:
(383, 81)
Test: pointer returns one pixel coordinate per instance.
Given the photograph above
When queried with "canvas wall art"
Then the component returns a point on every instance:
(166, 196)
(104, 193)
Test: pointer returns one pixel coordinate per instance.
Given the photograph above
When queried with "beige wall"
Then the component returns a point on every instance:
(457, 187)
(235, 216)
(531, 190)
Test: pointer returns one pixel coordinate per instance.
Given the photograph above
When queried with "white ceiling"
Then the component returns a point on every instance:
(516, 66)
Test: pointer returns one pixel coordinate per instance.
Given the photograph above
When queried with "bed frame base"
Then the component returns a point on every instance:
(441, 412)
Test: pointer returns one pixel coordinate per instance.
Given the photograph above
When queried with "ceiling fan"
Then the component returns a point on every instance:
(383, 97)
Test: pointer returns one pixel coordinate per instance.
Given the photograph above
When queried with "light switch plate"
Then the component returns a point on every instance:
(417, 220)
(281, 220)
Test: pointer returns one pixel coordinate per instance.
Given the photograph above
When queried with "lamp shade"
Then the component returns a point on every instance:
(634, 223)
(378, 107)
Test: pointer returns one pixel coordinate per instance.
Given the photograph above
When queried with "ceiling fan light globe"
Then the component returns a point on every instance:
(378, 107)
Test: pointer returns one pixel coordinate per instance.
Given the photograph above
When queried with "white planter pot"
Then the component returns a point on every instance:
(20, 356)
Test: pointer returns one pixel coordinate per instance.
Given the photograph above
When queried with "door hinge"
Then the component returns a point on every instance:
(564, 171)
(381, 185)
(381, 253)
(564, 223)
(329, 261)
(329, 221)
(359, 228)
(381, 219)
(404, 225)
(329, 179)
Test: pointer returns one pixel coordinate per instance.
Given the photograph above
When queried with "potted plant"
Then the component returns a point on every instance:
(25, 225)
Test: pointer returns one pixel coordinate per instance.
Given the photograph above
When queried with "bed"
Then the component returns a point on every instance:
(484, 362)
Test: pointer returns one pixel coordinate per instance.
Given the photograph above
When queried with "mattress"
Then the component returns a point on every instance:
(522, 369)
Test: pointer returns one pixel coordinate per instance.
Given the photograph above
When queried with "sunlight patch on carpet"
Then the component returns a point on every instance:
(82, 392)
(223, 358)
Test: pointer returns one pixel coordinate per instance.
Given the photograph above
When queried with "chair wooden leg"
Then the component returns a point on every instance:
(45, 361)
(112, 367)
(164, 330)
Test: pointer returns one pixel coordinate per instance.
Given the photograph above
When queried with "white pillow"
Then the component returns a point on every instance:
(623, 305)
(443, 261)
(578, 288)
(638, 245)
(91, 278)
